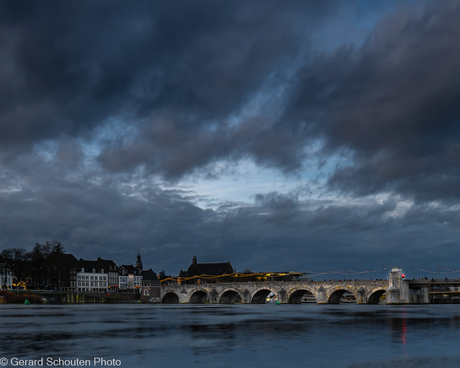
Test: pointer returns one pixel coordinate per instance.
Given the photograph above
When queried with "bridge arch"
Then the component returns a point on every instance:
(335, 294)
(170, 297)
(230, 296)
(296, 294)
(373, 297)
(259, 296)
(198, 296)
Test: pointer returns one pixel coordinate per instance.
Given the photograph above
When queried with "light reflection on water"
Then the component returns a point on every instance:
(143, 335)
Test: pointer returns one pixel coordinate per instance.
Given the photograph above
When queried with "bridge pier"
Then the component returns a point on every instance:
(398, 290)
(321, 296)
(419, 296)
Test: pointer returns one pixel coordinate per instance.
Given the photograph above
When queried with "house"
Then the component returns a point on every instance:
(69, 266)
(92, 276)
(63, 273)
(129, 277)
(112, 271)
(150, 289)
(122, 279)
(150, 278)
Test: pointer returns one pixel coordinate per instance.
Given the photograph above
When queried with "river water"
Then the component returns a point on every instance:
(306, 335)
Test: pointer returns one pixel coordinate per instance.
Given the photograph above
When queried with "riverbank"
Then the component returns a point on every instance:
(59, 297)
(7, 297)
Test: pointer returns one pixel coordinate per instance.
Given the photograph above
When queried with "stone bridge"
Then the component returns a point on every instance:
(397, 290)
(365, 292)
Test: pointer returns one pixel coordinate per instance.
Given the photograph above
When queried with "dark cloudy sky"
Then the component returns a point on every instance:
(276, 135)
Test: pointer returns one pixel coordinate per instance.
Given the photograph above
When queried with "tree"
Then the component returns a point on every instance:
(36, 254)
(57, 247)
(7, 254)
(40, 263)
(17, 259)
(20, 254)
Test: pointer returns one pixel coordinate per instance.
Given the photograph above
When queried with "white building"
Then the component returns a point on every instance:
(92, 277)
(129, 277)
(122, 278)
(134, 281)
(6, 277)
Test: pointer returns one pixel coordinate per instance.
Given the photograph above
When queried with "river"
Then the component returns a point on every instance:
(306, 335)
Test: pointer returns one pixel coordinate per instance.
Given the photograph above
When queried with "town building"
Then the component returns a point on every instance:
(6, 277)
(92, 276)
(150, 289)
(129, 277)
(112, 272)
(63, 272)
(122, 279)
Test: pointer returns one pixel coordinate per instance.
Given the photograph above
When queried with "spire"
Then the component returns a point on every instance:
(139, 262)
(194, 260)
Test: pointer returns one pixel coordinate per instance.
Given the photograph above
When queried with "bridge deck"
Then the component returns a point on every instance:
(433, 282)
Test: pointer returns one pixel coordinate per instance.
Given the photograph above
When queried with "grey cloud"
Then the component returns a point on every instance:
(114, 216)
(178, 73)
(280, 207)
(392, 103)
(67, 67)
(193, 84)
(388, 205)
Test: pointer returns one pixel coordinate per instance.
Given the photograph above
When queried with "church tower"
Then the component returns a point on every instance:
(139, 262)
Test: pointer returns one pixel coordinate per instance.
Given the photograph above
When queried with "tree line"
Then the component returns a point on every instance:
(40, 266)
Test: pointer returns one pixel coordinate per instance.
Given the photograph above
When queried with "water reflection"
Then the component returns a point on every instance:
(233, 335)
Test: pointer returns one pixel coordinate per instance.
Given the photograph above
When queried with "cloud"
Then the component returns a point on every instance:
(389, 103)
(392, 103)
(197, 84)
(114, 216)
(106, 110)
(70, 66)
(180, 74)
